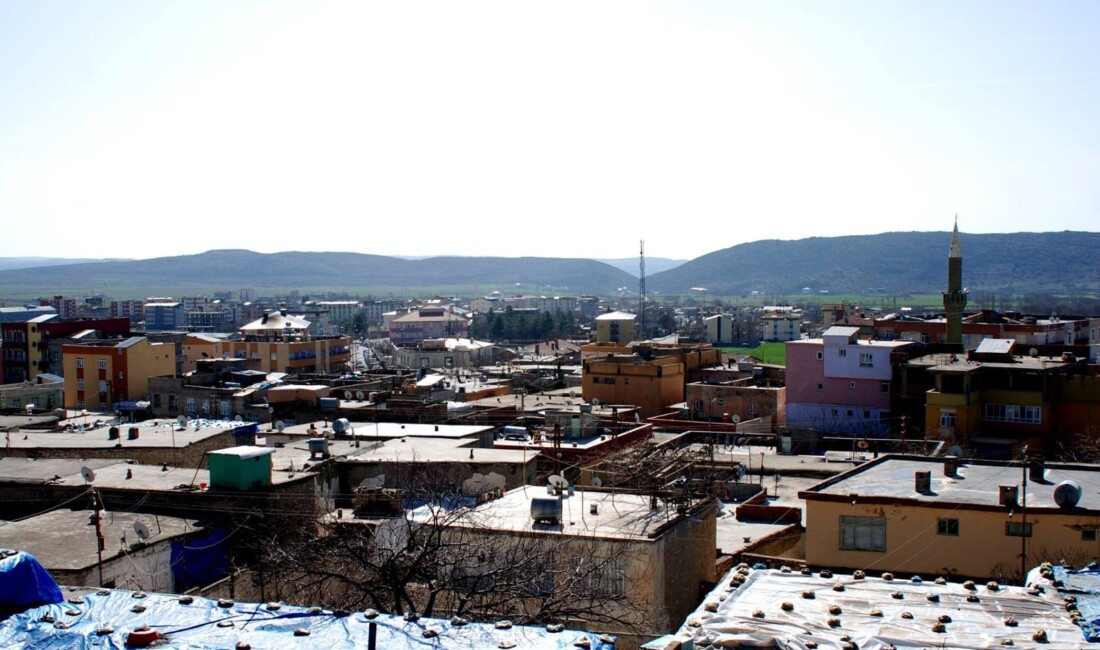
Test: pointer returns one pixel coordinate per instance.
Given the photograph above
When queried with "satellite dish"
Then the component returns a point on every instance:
(142, 530)
(88, 473)
(557, 480)
(280, 426)
(182, 421)
(359, 395)
(597, 481)
(347, 394)
(29, 408)
(237, 418)
(736, 418)
(595, 401)
(955, 451)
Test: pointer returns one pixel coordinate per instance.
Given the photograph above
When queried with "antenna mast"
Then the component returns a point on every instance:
(641, 289)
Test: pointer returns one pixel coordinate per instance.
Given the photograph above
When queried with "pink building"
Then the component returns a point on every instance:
(840, 383)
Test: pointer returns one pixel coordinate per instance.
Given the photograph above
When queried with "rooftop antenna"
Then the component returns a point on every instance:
(641, 288)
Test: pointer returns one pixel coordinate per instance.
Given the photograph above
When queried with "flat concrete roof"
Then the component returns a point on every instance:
(65, 540)
(156, 478)
(394, 430)
(150, 435)
(976, 483)
(32, 471)
(619, 515)
(433, 450)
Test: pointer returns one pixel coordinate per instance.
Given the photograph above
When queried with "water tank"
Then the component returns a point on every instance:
(112, 433)
(922, 481)
(132, 434)
(546, 510)
(318, 447)
(341, 426)
(1067, 494)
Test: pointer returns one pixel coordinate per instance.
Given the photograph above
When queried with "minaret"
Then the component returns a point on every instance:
(954, 299)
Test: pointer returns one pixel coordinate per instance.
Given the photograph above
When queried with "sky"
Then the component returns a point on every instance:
(141, 129)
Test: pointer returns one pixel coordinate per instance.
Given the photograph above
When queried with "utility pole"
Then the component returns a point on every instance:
(641, 289)
(97, 505)
(1023, 518)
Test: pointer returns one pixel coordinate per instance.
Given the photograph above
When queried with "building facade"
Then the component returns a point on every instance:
(100, 375)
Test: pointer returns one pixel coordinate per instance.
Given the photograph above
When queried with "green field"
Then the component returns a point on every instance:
(773, 353)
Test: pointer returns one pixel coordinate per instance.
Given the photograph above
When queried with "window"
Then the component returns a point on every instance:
(80, 384)
(821, 386)
(122, 375)
(1012, 413)
(947, 420)
(820, 355)
(947, 527)
(925, 337)
(603, 380)
(191, 405)
(884, 387)
(1018, 529)
(1088, 535)
(862, 533)
(851, 384)
(604, 577)
(866, 360)
(102, 364)
(841, 352)
(80, 362)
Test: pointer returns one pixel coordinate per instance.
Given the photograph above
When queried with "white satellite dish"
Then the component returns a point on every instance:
(182, 421)
(29, 408)
(280, 426)
(955, 451)
(88, 473)
(557, 480)
(237, 418)
(359, 395)
(142, 530)
(597, 481)
(736, 418)
(347, 394)
(595, 401)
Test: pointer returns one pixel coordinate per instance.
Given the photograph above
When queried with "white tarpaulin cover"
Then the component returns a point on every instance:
(789, 609)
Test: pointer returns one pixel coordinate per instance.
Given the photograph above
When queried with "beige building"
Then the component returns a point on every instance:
(615, 327)
(929, 516)
(652, 552)
(278, 342)
(100, 374)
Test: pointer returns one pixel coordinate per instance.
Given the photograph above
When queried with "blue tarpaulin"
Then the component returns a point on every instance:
(102, 621)
(200, 561)
(24, 583)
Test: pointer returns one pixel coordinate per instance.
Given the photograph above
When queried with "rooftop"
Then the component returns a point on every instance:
(151, 434)
(976, 483)
(770, 608)
(66, 540)
(617, 515)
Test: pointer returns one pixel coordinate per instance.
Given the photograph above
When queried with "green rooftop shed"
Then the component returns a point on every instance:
(241, 468)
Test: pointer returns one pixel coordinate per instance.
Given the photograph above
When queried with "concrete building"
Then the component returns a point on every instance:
(841, 383)
(615, 327)
(747, 399)
(653, 552)
(936, 516)
(280, 342)
(165, 315)
(445, 353)
(427, 323)
(24, 313)
(101, 374)
(720, 328)
(134, 310)
(65, 542)
(785, 325)
(44, 392)
(34, 346)
(651, 385)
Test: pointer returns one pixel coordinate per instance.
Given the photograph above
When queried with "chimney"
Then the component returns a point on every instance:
(951, 466)
(1036, 469)
(1009, 494)
(132, 434)
(923, 481)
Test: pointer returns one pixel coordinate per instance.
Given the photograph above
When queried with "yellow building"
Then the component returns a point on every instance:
(615, 327)
(650, 385)
(937, 516)
(100, 374)
(278, 342)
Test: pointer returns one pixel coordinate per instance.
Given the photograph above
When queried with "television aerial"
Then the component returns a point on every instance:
(142, 531)
(88, 473)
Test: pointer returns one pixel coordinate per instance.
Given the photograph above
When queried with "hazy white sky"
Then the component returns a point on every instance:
(564, 129)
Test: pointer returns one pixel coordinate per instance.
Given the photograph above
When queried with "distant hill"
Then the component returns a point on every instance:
(7, 263)
(352, 272)
(652, 264)
(897, 263)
